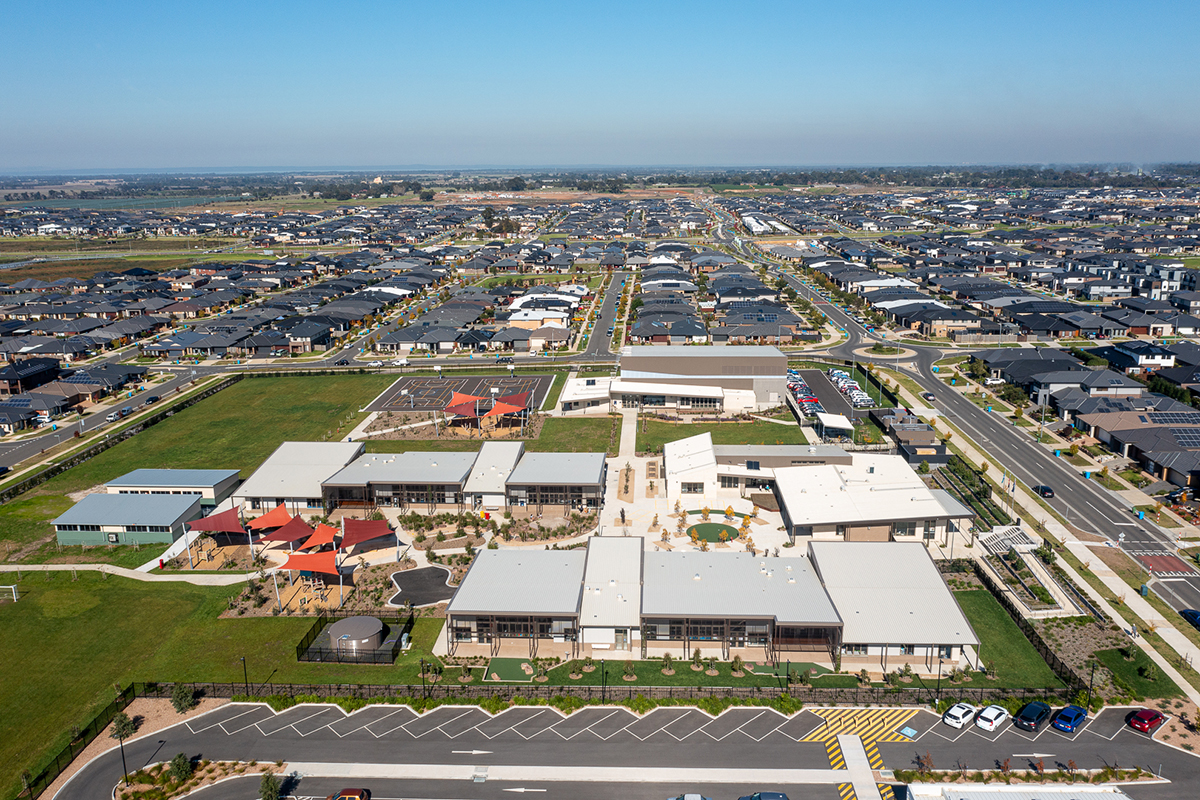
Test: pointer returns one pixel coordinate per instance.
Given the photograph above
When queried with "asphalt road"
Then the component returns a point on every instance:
(599, 341)
(458, 739)
(1083, 503)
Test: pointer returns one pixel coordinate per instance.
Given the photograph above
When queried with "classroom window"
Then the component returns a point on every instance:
(691, 488)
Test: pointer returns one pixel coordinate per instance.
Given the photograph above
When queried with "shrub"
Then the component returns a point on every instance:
(180, 768)
(269, 786)
(183, 698)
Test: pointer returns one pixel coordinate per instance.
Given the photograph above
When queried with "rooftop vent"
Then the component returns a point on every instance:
(696, 577)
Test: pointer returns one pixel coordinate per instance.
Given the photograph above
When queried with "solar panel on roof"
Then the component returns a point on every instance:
(1174, 418)
(1187, 437)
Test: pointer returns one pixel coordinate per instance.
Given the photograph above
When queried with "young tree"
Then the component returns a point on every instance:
(269, 786)
(183, 698)
(123, 726)
(180, 768)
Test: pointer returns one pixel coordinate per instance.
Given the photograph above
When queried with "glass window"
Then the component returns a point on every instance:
(908, 649)
(854, 649)
(654, 400)
(752, 465)
(691, 488)
(730, 482)
(904, 529)
(930, 528)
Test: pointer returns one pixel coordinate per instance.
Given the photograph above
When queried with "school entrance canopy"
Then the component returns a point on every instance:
(360, 530)
(277, 517)
(834, 426)
(225, 522)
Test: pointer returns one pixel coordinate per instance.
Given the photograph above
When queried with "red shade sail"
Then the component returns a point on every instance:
(225, 522)
(503, 408)
(325, 562)
(360, 530)
(520, 399)
(294, 531)
(277, 517)
(323, 536)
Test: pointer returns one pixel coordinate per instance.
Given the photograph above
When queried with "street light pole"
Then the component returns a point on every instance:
(423, 693)
(1091, 683)
(245, 676)
(124, 768)
(603, 682)
(939, 683)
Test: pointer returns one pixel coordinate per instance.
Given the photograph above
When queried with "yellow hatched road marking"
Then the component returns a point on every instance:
(836, 759)
(870, 724)
(846, 791)
(873, 756)
(885, 792)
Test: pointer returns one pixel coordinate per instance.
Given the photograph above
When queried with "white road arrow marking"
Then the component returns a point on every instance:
(1033, 755)
(472, 752)
(522, 789)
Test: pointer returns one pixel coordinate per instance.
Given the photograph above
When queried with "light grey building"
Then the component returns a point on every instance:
(127, 519)
(572, 480)
(293, 475)
(416, 479)
(211, 485)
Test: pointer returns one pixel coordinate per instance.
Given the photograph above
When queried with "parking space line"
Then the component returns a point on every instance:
(219, 719)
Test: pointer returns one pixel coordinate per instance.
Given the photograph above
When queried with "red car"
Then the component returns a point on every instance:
(1147, 720)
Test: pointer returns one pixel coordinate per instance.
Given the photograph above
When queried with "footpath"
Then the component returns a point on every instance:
(1030, 510)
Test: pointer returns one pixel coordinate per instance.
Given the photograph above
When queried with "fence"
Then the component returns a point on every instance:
(310, 648)
(1064, 671)
(923, 695)
(110, 440)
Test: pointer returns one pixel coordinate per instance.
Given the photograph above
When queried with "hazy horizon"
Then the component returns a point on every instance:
(124, 87)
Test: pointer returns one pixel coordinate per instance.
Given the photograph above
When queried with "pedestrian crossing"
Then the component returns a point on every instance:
(846, 791)
(872, 725)
(837, 760)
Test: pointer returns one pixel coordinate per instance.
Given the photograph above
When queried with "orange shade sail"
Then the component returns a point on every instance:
(277, 517)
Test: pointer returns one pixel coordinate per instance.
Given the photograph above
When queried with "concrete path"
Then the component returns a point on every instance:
(583, 774)
(628, 433)
(203, 579)
(858, 768)
(1028, 509)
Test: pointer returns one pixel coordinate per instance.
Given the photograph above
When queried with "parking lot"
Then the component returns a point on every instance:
(833, 400)
(423, 393)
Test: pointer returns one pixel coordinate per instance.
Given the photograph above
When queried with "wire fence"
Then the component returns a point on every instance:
(314, 646)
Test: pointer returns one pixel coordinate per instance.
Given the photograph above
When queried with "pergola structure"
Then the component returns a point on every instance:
(467, 407)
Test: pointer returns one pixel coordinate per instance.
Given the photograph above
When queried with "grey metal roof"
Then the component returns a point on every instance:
(954, 509)
(173, 477)
(296, 469)
(695, 584)
(129, 509)
(890, 593)
(737, 351)
(493, 466)
(412, 467)
(796, 450)
(612, 582)
(513, 581)
(559, 469)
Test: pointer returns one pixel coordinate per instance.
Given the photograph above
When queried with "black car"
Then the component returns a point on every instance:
(1044, 491)
(1192, 616)
(504, 359)
(152, 399)
(1032, 716)
(765, 796)
(342, 362)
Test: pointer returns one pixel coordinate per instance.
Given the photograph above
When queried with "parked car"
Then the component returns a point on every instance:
(1033, 716)
(929, 397)
(990, 718)
(113, 416)
(993, 382)
(765, 796)
(1147, 720)
(351, 794)
(689, 797)
(152, 399)
(959, 715)
(1192, 616)
(1044, 491)
(1070, 719)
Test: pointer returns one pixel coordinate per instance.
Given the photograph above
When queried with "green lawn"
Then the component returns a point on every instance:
(92, 633)
(649, 673)
(710, 531)
(1133, 674)
(1018, 665)
(559, 434)
(236, 428)
(658, 434)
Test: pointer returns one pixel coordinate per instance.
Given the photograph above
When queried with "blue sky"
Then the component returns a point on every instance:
(116, 85)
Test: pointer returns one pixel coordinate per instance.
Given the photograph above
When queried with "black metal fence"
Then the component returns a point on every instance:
(35, 785)
(446, 691)
(311, 647)
(110, 440)
(1062, 669)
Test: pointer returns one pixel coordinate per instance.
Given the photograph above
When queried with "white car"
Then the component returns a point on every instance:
(375, 364)
(959, 715)
(993, 381)
(990, 718)
(400, 362)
